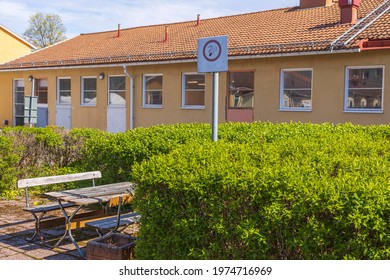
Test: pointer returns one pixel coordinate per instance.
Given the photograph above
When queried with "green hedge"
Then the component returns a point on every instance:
(296, 191)
(115, 154)
(52, 151)
(8, 170)
(263, 191)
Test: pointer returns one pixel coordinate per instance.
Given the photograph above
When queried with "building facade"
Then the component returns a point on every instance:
(12, 46)
(323, 61)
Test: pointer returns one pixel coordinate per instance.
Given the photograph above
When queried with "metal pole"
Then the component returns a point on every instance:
(30, 106)
(215, 107)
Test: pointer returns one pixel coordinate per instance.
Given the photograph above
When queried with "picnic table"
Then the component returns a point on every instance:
(84, 197)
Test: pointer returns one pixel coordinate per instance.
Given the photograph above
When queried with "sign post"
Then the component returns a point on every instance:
(213, 58)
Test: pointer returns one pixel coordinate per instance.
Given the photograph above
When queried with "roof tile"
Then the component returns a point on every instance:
(259, 33)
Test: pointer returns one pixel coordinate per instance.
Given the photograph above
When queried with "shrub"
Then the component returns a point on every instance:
(312, 192)
(8, 170)
(115, 154)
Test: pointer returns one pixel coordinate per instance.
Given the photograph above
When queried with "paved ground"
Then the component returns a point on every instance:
(16, 225)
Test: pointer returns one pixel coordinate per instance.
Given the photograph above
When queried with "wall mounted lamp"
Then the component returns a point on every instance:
(101, 76)
(30, 78)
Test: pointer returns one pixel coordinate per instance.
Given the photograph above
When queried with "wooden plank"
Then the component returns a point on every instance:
(47, 207)
(60, 221)
(110, 222)
(91, 195)
(114, 201)
(80, 223)
(93, 191)
(42, 181)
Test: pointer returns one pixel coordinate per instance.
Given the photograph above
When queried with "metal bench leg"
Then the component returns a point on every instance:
(31, 239)
(38, 230)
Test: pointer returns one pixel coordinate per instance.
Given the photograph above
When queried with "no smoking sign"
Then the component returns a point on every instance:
(212, 54)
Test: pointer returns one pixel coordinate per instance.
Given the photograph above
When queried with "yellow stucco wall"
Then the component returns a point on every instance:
(327, 95)
(11, 47)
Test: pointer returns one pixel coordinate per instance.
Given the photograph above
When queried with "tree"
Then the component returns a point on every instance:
(45, 30)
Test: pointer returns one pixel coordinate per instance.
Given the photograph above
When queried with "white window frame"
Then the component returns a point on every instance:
(82, 91)
(183, 92)
(59, 90)
(109, 90)
(346, 90)
(282, 107)
(144, 92)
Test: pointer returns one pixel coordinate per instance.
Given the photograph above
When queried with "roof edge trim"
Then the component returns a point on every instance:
(130, 64)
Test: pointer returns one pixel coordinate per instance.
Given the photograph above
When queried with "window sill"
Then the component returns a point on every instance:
(152, 106)
(192, 107)
(295, 110)
(364, 111)
(86, 105)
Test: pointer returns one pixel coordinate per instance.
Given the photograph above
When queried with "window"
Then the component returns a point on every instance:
(364, 89)
(193, 91)
(88, 95)
(152, 90)
(117, 91)
(18, 102)
(41, 91)
(64, 94)
(241, 88)
(296, 89)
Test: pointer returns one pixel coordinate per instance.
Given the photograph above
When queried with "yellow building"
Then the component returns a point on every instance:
(12, 46)
(323, 61)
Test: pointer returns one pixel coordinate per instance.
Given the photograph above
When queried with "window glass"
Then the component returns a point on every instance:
(89, 91)
(193, 90)
(64, 93)
(365, 88)
(152, 95)
(117, 91)
(296, 89)
(241, 88)
(18, 102)
(41, 91)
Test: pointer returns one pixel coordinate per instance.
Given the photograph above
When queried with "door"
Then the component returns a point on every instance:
(116, 110)
(64, 103)
(240, 99)
(43, 110)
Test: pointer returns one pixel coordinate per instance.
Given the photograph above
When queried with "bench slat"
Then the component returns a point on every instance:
(47, 207)
(42, 181)
(110, 223)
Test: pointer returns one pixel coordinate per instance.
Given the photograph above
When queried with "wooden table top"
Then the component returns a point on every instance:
(92, 195)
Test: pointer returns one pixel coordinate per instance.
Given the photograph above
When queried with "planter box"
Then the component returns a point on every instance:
(114, 246)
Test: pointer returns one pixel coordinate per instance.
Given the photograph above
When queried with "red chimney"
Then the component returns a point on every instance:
(119, 30)
(198, 20)
(349, 11)
(307, 4)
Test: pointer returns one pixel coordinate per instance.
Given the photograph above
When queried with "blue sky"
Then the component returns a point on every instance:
(84, 16)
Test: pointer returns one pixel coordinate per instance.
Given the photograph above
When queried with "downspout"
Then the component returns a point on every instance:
(131, 96)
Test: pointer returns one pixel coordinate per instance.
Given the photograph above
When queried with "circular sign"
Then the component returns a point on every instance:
(212, 50)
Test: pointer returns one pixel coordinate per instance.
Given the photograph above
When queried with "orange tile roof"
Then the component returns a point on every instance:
(288, 30)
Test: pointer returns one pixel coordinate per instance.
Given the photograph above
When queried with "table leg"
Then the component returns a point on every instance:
(68, 221)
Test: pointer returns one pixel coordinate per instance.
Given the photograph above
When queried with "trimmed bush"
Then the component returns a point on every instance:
(8, 170)
(308, 192)
(263, 191)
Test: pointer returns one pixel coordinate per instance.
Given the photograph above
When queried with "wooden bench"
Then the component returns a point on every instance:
(116, 223)
(39, 211)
